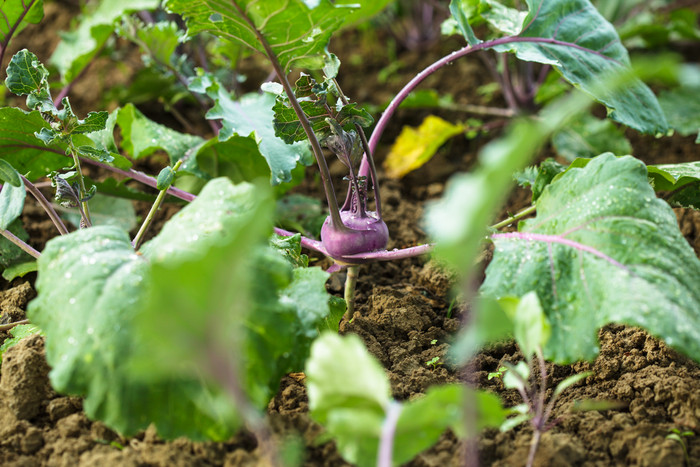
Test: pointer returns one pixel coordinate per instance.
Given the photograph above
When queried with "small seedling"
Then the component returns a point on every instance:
(680, 436)
(498, 373)
(433, 362)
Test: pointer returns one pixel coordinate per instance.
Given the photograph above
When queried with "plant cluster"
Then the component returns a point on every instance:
(147, 329)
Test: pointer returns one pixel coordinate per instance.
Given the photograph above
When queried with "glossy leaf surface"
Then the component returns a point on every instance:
(296, 30)
(602, 249)
(251, 116)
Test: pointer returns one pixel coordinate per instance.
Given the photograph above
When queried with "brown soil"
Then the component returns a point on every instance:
(402, 308)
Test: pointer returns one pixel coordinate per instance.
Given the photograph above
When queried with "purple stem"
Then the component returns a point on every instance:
(563, 241)
(394, 104)
(143, 178)
(386, 442)
(17, 241)
(41, 199)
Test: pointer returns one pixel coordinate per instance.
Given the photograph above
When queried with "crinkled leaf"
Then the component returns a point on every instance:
(297, 30)
(290, 248)
(11, 203)
(588, 136)
(547, 170)
(416, 146)
(18, 333)
(288, 127)
(79, 46)
(17, 15)
(307, 292)
(505, 19)
(157, 40)
(142, 136)
(26, 74)
(95, 121)
(95, 154)
(251, 116)
(602, 249)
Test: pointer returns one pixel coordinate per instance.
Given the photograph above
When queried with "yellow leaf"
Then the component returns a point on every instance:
(416, 146)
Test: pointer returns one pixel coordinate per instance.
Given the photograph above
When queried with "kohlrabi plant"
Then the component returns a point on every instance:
(147, 328)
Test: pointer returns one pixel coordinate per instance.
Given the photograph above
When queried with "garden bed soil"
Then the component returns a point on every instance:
(406, 316)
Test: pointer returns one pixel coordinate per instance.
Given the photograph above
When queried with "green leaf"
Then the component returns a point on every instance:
(142, 136)
(340, 373)
(18, 333)
(202, 224)
(478, 194)
(682, 108)
(488, 324)
(95, 121)
(251, 116)
(683, 180)
(107, 210)
(307, 292)
(297, 30)
(462, 11)
(79, 46)
(237, 158)
(602, 249)
(26, 74)
(102, 338)
(570, 381)
(19, 270)
(349, 394)
(548, 169)
(11, 203)
(422, 421)
(588, 136)
(17, 15)
(301, 213)
(574, 38)
(95, 154)
(157, 40)
(517, 376)
(290, 248)
(8, 174)
(530, 326)
(507, 20)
